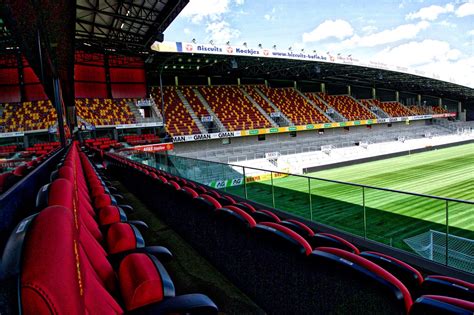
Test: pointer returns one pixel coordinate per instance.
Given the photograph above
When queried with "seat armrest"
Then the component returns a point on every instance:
(139, 224)
(162, 253)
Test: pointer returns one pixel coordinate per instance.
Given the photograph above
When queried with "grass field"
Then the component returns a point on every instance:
(390, 217)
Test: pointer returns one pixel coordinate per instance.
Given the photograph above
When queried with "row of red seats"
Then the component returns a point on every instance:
(434, 294)
(42, 148)
(82, 256)
(8, 148)
(103, 143)
(8, 179)
(141, 139)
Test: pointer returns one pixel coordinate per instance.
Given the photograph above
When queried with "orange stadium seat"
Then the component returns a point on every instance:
(194, 102)
(105, 111)
(233, 109)
(393, 109)
(418, 110)
(294, 106)
(317, 101)
(250, 89)
(438, 110)
(178, 120)
(28, 116)
(347, 107)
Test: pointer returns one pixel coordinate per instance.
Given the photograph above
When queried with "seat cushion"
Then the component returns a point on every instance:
(143, 280)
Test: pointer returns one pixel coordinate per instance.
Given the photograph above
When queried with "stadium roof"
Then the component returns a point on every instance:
(114, 24)
(48, 32)
(185, 64)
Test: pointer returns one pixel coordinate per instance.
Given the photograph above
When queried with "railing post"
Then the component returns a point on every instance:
(245, 184)
(447, 234)
(365, 213)
(310, 200)
(273, 190)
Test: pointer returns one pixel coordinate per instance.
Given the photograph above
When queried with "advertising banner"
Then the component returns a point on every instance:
(208, 136)
(157, 147)
(226, 183)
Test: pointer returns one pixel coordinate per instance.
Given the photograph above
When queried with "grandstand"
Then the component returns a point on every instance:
(143, 176)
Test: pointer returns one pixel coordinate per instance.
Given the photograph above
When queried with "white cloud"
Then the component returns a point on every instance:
(430, 13)
(239, 2)
(221, 32)
(465, 9)
(461, 71)
(447, 24)
(471, 32)
(339, 29)
(419, 53)
(197, 10)
(271, 15)
(401, 32)
(369, 29)
(187, 31)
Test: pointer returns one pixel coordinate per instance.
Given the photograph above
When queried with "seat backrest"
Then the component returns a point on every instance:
(51, 276)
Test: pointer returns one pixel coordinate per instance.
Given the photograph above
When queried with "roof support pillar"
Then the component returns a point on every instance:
(58, 104)
(397, 96)
(323, 87)
(176, 81)
(349, 90)
(374, 93)
(209, 81)
(418, 100)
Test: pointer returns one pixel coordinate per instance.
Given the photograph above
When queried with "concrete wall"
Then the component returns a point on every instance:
(362, 132)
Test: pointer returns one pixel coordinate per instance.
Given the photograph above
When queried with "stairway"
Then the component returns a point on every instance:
(381, 112)
(275, 108)
(260, 109)
(210, 111)
(191, 112)
(362, 105)
(135, 111)
(339, 117)
(314, 105)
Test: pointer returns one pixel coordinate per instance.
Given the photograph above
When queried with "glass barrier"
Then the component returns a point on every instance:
(259, 186)
(338, 205)
(438, 229)
(461, 235)
(404, 221)
(291, 194)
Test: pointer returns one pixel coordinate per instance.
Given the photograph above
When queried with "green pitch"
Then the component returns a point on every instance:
(389, 217)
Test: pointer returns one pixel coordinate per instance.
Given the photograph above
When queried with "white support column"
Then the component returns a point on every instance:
(209, 81)
(323, 88)
(176, 82)
(374, 93)
(238, 81)
(397, 96)
(295, 85)
(440, 102)
(349, 90)
(418, 99)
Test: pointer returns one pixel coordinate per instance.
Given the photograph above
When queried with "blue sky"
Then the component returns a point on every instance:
(433, 36)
